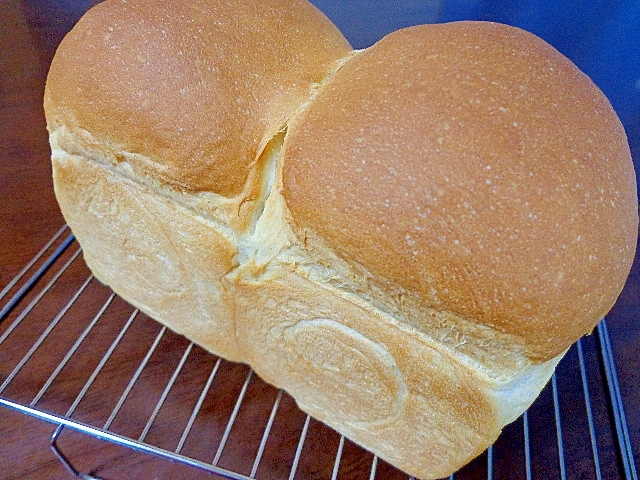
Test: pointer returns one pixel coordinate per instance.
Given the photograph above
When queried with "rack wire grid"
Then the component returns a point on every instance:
(74, 354)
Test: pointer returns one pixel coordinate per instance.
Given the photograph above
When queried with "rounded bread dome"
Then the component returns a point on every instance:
(190, 92)
(475, 167)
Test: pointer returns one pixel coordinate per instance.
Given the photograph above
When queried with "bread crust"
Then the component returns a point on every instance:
(473, 165)
(258, 232)
(195, 89)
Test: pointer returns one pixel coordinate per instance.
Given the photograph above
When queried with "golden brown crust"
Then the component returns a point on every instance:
(474, 165)
(300, 262)
(194, 88)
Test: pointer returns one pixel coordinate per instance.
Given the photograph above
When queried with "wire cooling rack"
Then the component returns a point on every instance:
(74, 354)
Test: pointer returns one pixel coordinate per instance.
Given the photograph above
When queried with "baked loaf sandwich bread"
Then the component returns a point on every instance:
(405, 238)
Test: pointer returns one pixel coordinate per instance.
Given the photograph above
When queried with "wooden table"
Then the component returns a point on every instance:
(29, 216)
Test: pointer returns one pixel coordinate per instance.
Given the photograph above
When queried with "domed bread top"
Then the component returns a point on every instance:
(471, 165)
(190, 92)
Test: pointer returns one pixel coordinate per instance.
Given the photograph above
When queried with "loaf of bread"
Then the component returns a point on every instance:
(405, 238)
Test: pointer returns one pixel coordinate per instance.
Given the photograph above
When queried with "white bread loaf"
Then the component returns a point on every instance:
(405, 238)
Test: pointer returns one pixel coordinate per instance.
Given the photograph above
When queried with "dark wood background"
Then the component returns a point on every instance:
(601, 37)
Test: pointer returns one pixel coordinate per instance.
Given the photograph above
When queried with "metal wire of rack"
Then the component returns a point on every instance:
(75, 355)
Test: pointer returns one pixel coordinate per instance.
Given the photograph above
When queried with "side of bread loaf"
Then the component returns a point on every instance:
(405, 238)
